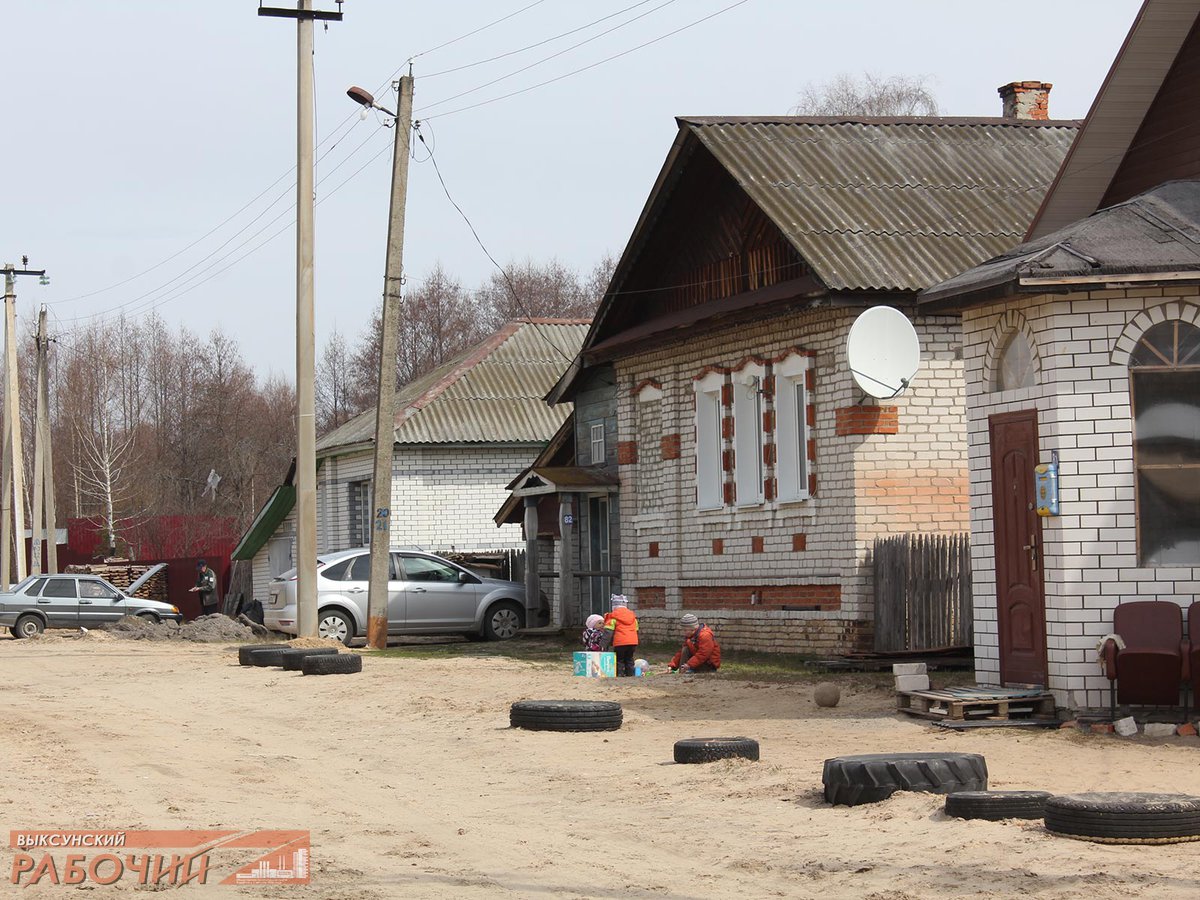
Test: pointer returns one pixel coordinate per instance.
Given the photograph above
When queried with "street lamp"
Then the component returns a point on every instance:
(385, 434)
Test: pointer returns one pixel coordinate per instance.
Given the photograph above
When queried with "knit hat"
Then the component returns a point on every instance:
(619, 600)
(594, 621)
(689, 621)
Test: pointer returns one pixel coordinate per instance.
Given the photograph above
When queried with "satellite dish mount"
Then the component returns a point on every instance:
(884, 353)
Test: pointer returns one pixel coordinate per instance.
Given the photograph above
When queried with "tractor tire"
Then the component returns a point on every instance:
(872, 777)
(331, 664)
(565, 715)
(703, 750)
(245, 651)
(996, 805)
(291, 659)
(1125, 818)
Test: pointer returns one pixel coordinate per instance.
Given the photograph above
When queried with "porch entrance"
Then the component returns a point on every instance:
(599, 586)
(1020, 589)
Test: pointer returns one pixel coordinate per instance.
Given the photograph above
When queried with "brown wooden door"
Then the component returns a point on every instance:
(1020, 591)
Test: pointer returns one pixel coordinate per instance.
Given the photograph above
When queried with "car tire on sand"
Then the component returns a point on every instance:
(1125, 818)
(331, 664)
(871, 777)
(565, 715)
(703, 750)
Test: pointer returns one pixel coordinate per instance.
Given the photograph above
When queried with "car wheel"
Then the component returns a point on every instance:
(336, 625)
(149, 617)
(503, 621)
(28, 626)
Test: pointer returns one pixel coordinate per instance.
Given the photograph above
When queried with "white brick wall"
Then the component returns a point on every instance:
(1082, 342)
(867, 485)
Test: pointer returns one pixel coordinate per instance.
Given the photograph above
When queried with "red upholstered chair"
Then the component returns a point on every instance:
(1155, 660)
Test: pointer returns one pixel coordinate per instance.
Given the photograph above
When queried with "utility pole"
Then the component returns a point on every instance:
(43, 465)
(12, 470)
(306, 425)
(385, 404)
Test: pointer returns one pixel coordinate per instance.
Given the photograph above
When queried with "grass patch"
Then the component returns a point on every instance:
(737, 665)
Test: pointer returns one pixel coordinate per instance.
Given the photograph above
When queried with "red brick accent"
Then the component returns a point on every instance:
(810, 378)
(768, 421)
(670, 446)
(645, 383)
(650, 597)
(730, 493)
(718, 546)
(772, 596)
(726, 460)
(812, 485)
(727, 395)
(653, 549)
(799, 542)
(867, 420)
(769, 454)
(812, 449)
(769, 489)
(627, 454)
(727, 427)
(757, 544)
(768, 386)
(811, 415)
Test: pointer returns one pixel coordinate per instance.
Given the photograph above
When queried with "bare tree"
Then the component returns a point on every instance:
(333, 384)
(870, 95)
(531, 290)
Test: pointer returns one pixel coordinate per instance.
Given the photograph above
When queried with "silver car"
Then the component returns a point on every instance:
(426, 595)
(71, 601)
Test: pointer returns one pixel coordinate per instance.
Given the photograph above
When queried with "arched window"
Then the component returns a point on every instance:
(1014, 365)
(1164, 381)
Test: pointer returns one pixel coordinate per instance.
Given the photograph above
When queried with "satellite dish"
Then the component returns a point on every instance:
(883, 351)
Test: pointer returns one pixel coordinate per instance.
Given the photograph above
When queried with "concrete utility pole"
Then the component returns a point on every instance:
(385, 406)
(43, 465)
(12, 471)
(306, 425)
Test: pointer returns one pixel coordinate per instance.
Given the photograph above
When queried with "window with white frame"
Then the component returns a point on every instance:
(709, 474)
(598, 444)
(791, 428)
(748, 434)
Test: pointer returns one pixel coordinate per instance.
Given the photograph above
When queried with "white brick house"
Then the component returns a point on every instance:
(1084, 342)
(754, 476)
(461, 432)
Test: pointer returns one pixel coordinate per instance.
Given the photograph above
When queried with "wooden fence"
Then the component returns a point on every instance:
(922, 592)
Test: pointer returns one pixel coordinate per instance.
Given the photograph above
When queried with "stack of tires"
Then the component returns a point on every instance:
(308, 660)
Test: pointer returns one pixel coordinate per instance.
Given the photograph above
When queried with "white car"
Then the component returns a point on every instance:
(426, 595)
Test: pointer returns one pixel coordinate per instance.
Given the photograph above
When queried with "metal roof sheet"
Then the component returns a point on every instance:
(491, 393)
(891, 204)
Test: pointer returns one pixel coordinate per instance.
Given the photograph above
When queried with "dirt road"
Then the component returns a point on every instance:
(412, 785)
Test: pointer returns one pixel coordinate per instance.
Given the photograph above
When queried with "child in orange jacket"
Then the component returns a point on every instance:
(621, 633)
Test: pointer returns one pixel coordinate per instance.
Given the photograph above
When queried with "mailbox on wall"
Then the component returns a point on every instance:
(1046, 487)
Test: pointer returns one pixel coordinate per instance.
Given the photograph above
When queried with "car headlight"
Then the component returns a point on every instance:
(175, 609)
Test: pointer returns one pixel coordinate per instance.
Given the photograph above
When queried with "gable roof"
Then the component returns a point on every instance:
(1122, 116)
(491, 393)
(274, 511)
(1153, 237)
(890, 204)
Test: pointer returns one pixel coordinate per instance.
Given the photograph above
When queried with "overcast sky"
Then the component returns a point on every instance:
(139, 133)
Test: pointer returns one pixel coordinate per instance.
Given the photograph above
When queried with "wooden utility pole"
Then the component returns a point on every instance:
(306, 425)
(43, 466)
(385, 405)
(12, 470)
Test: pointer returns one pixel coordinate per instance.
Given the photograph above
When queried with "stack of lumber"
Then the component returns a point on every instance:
(121, 574)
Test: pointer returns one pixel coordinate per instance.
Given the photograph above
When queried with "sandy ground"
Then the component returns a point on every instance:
(413, 785)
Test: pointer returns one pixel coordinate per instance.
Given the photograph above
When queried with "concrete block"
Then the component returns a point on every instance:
(1126, 727)
(1159, 729)
(912, 682)
(909, 669)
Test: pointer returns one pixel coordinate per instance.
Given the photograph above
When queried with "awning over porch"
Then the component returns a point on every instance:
(549, 480)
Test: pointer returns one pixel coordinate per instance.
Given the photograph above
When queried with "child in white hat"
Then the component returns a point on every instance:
(593, 633)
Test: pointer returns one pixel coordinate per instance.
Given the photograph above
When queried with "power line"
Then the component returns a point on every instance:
(541, 43)
(592, 65)
(545, 59)
(507, 278)
(463, 37)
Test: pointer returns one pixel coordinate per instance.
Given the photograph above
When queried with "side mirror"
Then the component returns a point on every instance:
(466, 578)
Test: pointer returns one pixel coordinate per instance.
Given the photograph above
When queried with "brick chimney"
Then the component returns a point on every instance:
(1026, 100)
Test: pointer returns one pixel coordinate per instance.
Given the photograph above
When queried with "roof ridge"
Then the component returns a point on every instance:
(548, 320)
(946, 121)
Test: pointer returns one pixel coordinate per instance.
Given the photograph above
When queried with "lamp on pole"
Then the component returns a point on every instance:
(385, 435)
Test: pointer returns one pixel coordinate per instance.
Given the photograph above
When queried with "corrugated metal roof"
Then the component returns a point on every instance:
(1155, 232)
(889, 204)
(491, 393)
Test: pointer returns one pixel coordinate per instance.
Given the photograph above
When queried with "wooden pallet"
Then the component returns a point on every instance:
(970, 705)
